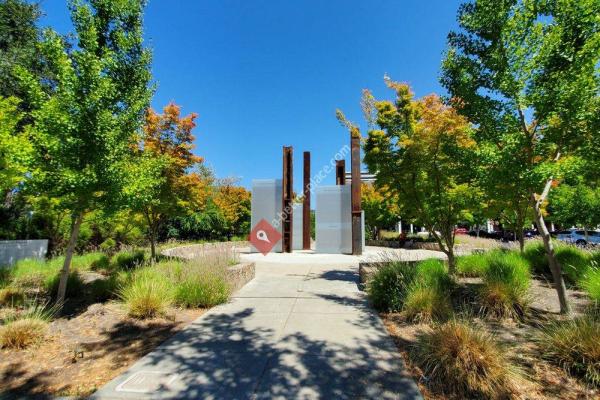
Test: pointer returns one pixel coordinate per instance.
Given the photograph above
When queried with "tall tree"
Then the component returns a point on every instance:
(234, 203)
(423, 153)
(84, 128)
(526, 73)
(163, 181)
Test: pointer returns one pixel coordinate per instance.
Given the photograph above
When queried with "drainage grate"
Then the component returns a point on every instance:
(147, 382)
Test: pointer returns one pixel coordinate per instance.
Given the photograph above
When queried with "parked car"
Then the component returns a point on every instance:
(460, 231)
(579, 237)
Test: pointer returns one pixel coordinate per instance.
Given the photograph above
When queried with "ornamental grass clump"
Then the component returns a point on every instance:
(574, 345)
(505, 289)
(25, 329)
(389, 285)
(12, 296)
(460, 360)
(428, 296)
(146, 294)
(591, 284)
(472, 265)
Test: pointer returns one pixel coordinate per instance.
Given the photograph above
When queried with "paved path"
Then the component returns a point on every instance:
(299, 330)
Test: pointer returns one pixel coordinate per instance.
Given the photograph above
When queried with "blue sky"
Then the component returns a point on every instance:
(263, 74)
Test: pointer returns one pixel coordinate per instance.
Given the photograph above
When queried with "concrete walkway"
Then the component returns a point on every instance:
(300, 330)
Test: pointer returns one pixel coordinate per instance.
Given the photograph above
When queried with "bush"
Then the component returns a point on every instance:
(463, 361)
(506, 281)
(472, 265)
(389, 285)
(108, 246)
(574, 345)
(146, 295)
(12, 296)
(128, 259)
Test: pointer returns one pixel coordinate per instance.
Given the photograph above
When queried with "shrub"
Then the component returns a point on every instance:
(12, 296)
(108, 246)
(506, 284)
(591, 284)
(460, 360)
(128, 259)
(387, 289)
(574, 345)
(472, 265)
(146, 295)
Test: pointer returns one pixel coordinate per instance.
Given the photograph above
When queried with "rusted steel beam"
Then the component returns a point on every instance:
(306, 203)
(340, 172)
(355, 190)
(288, 189)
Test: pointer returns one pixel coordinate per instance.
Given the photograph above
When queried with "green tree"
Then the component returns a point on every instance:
(15, 148)
(162, 182)
(575, 205)
(525, 72)
(84, 128)
(423, 153)
(380, 208)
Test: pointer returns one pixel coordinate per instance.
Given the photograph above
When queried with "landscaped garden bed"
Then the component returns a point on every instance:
(118, 309)
(494, 331)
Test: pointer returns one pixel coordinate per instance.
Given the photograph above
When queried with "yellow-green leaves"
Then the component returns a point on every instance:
(15, 148)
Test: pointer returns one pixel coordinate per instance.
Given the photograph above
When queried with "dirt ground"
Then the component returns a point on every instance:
(537, 378)
(83, 352)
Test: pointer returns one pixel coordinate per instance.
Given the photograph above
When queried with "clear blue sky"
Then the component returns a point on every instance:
(263, 74)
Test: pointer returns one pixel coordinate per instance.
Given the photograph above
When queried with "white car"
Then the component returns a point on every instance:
(579, 237)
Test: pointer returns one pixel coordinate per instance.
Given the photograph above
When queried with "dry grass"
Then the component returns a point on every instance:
(23, 332)
(12, 296)
(461, 360)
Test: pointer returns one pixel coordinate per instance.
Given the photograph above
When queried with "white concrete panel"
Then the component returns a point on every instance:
(12, 251)
(333, 220)
(297, 227)
(267, 203)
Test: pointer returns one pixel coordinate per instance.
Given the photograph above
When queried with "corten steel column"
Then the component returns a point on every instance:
(340, 172)
(355, 190)
(288, 188)
(306, 203)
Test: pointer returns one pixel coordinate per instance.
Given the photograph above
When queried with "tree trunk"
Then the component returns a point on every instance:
(451, 261)
(521, 238)
(152, 247)
(559, 282)
(64, 273)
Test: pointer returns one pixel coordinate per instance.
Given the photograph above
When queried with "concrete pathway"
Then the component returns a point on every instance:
(300, 330)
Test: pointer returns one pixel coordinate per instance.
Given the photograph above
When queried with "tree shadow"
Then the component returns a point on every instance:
(234, 356)
(30, 388)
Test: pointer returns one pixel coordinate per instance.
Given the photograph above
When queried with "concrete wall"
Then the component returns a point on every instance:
(12, 251)
(267, 203)
(334, 220)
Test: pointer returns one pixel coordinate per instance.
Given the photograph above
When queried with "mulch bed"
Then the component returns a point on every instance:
(539, 379)
(83, 352)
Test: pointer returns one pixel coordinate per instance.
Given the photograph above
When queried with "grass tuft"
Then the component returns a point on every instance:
(21, 331)
(12, 296)
(506, 281)
(575, 346)
(389, 285)
(472, 265)
(128, 259)
(461, 360)
(146, 295)
(591, 284)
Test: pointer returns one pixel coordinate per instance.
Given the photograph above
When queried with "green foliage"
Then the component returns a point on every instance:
(128, 259)
(573, 345)
(428, 296)
(434, 273)
(203, 291)
(147, 294)
(472, 265)
(464, 361)
(591, 284)
(535, 254)
(412, 133)
(389, 285)
(574, 261)
(506, 282)
(576, 205)
(15, 149)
